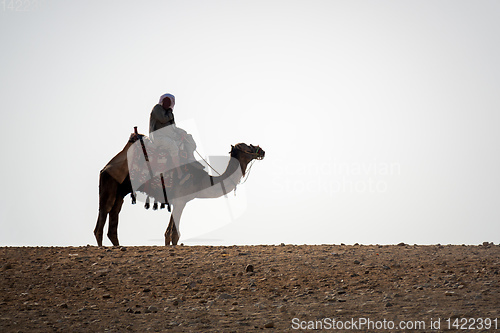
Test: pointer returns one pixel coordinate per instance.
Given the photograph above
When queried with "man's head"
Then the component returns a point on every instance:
(167, 101)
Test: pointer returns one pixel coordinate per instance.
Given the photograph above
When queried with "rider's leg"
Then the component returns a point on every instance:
(162, 138)
(176, 163)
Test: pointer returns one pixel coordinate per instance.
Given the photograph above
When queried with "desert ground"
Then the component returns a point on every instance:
(284, 288)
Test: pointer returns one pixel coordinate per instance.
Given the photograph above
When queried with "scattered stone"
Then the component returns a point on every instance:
(269, 325)
(282, 244)
(401, 244)
(106, 296)
(63, 305)
(151, 309)
(225, 296)
(388, 304)
(249, 268)
(330, 298)
(449, 293)
(282, 308)
(146, 290)
(102, 272)
(357, 262)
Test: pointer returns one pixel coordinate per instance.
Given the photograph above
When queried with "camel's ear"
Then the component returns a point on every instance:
(232, 147)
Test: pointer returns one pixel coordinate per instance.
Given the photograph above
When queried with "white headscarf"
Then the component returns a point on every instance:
(172, 99)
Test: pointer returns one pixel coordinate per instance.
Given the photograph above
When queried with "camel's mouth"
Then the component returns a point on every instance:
(259, 152)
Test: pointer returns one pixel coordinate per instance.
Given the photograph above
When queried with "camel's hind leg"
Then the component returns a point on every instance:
(113, 221)
(107, 195)
(98, 231)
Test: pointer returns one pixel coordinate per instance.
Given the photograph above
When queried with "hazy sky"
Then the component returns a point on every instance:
(380, 119)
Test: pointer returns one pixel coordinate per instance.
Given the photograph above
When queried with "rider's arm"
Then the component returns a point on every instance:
(162, 115)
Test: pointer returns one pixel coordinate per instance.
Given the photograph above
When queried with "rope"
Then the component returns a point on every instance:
(247, 174)
(204, 160)
(240, 182)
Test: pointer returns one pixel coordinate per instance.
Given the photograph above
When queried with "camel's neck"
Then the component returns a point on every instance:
(236, 169)
(227, 182)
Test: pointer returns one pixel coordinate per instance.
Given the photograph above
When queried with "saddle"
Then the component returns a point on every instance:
(159, 161)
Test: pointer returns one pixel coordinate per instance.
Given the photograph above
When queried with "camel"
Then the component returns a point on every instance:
(115, 184)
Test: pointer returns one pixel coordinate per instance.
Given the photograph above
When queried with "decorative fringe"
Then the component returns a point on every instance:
(147, 204)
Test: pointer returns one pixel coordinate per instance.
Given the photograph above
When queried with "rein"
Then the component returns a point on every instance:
(247, 175)
(256, 156)
(206, 162)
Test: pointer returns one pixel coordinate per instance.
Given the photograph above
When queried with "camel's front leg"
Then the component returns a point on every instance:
(172, 233)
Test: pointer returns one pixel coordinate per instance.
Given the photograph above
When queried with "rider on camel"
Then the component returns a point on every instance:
(163, 132)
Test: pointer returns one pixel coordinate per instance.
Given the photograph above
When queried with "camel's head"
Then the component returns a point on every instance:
(250, 151)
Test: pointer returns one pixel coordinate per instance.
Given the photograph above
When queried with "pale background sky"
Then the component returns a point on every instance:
(380, 119)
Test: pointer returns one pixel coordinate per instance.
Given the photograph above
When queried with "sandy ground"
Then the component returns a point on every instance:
(250, 288)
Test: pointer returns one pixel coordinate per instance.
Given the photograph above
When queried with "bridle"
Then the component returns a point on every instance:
(257, 154)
